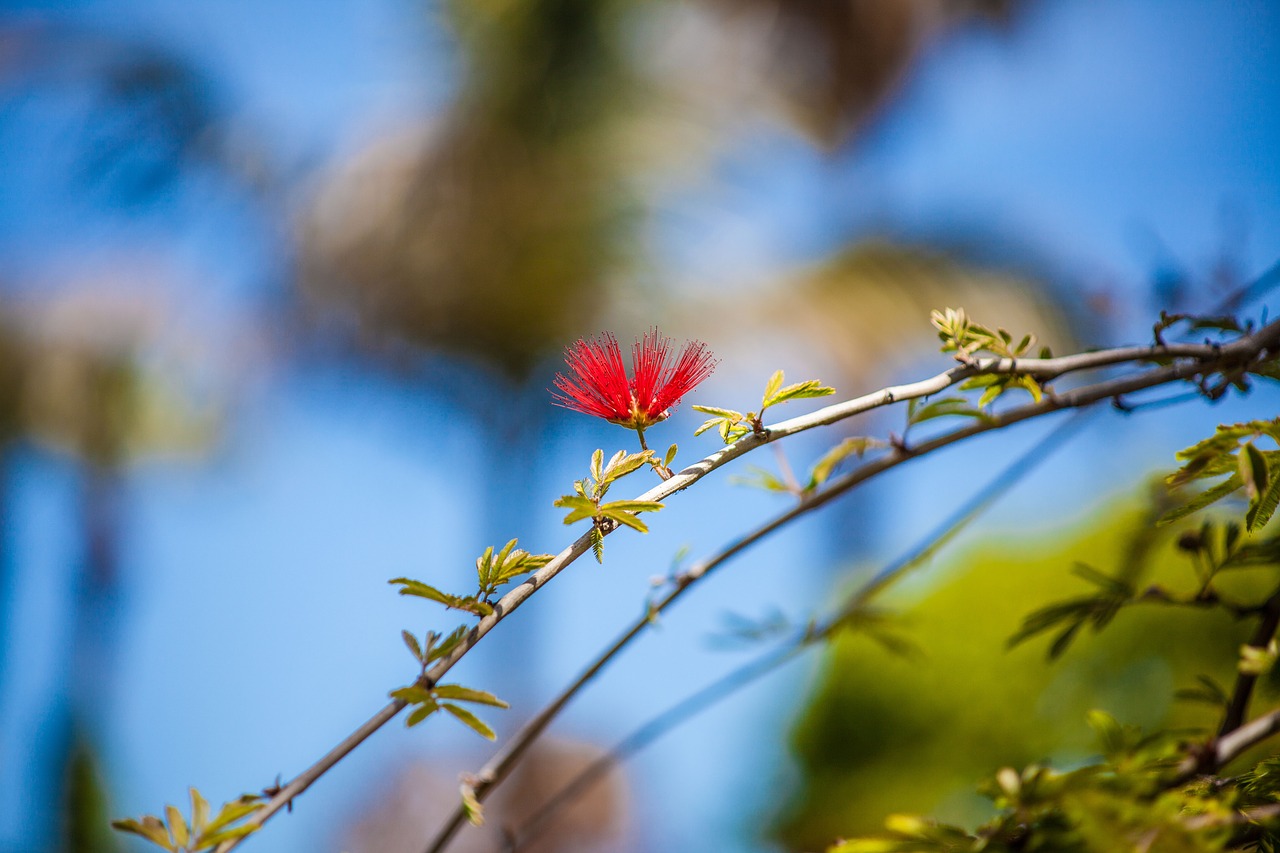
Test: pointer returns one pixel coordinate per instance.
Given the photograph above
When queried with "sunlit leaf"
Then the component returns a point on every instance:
(199, 812)
(798, 391)
(1202, 500)
(466, 694)
(177, 826)
(1253, 471)
(448, 644)
(625, 518)
(411, 642)
(150, 828)
(471, 806)
(471, 720)
(855, 446)
(420, 713)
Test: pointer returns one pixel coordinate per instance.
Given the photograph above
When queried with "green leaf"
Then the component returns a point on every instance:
(798, 391)
(199, 812)
(234, 811)
(709, 423)
(579, 507)
(413, 694)
(448, 644)
(728, 414)
(990, 395)
(150, 828)
(632, 506)
(470, 719)
(625, 518)
(597, 463)
(470, 604)
(1109, 731)
(1253, 471)
(1202, 500)
(1260, 511)
(759, 478)
(943, 408)
(670, 457)
(411, 642)
(855, 446)
(471, 806)
(216, 838)
(623, 464)
(466, 694)
(420, 713)
(177, 826)
(597, 544)
(771, 388)
(1258, 661)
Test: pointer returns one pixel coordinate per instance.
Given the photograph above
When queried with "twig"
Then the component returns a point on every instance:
(752, 671)
(1225, 749)
(1262, 636)
(1205, 358)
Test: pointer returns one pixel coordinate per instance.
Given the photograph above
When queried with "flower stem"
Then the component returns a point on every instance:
(640, 432)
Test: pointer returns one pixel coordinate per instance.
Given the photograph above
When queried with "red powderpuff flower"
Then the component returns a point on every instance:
(597, 382)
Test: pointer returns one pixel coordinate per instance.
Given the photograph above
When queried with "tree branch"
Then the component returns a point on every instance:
(1196, 359)
(1268, 624)
(748, 673)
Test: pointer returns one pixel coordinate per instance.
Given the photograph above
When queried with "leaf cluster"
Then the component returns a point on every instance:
(852, 447)
(1128, 801)
(1214, 548)
(733, 425)
(492, 571)
(965, 338)
(202, 832)
(587, 501)
(427, 699)
(1232, 452)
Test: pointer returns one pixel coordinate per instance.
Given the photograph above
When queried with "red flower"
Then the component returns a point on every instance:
(597, 383)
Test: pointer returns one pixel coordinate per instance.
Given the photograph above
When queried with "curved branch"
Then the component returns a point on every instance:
(725, 686)
(1200, 359)
(497, 769)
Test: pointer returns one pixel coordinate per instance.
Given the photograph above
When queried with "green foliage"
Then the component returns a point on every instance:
(426, 700)
(733, 425)
(1127, 802)
(175, 833)
(1232, 452)
(509, 564)
(1161, 790)
(887, 734)
(587, 502)
(435, 645)
(965, 338)
(492, 571)
(855, 447)
(918, 411)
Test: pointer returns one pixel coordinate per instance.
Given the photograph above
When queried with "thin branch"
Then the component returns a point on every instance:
(1242, 737)
(1268, 624)
(1201, 359)
(752, 671)
(1225, 749)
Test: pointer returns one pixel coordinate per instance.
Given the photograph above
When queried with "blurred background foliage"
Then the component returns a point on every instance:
(885, 735)
(275, 274)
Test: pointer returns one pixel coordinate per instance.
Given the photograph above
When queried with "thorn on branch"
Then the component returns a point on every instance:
(272, 791)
